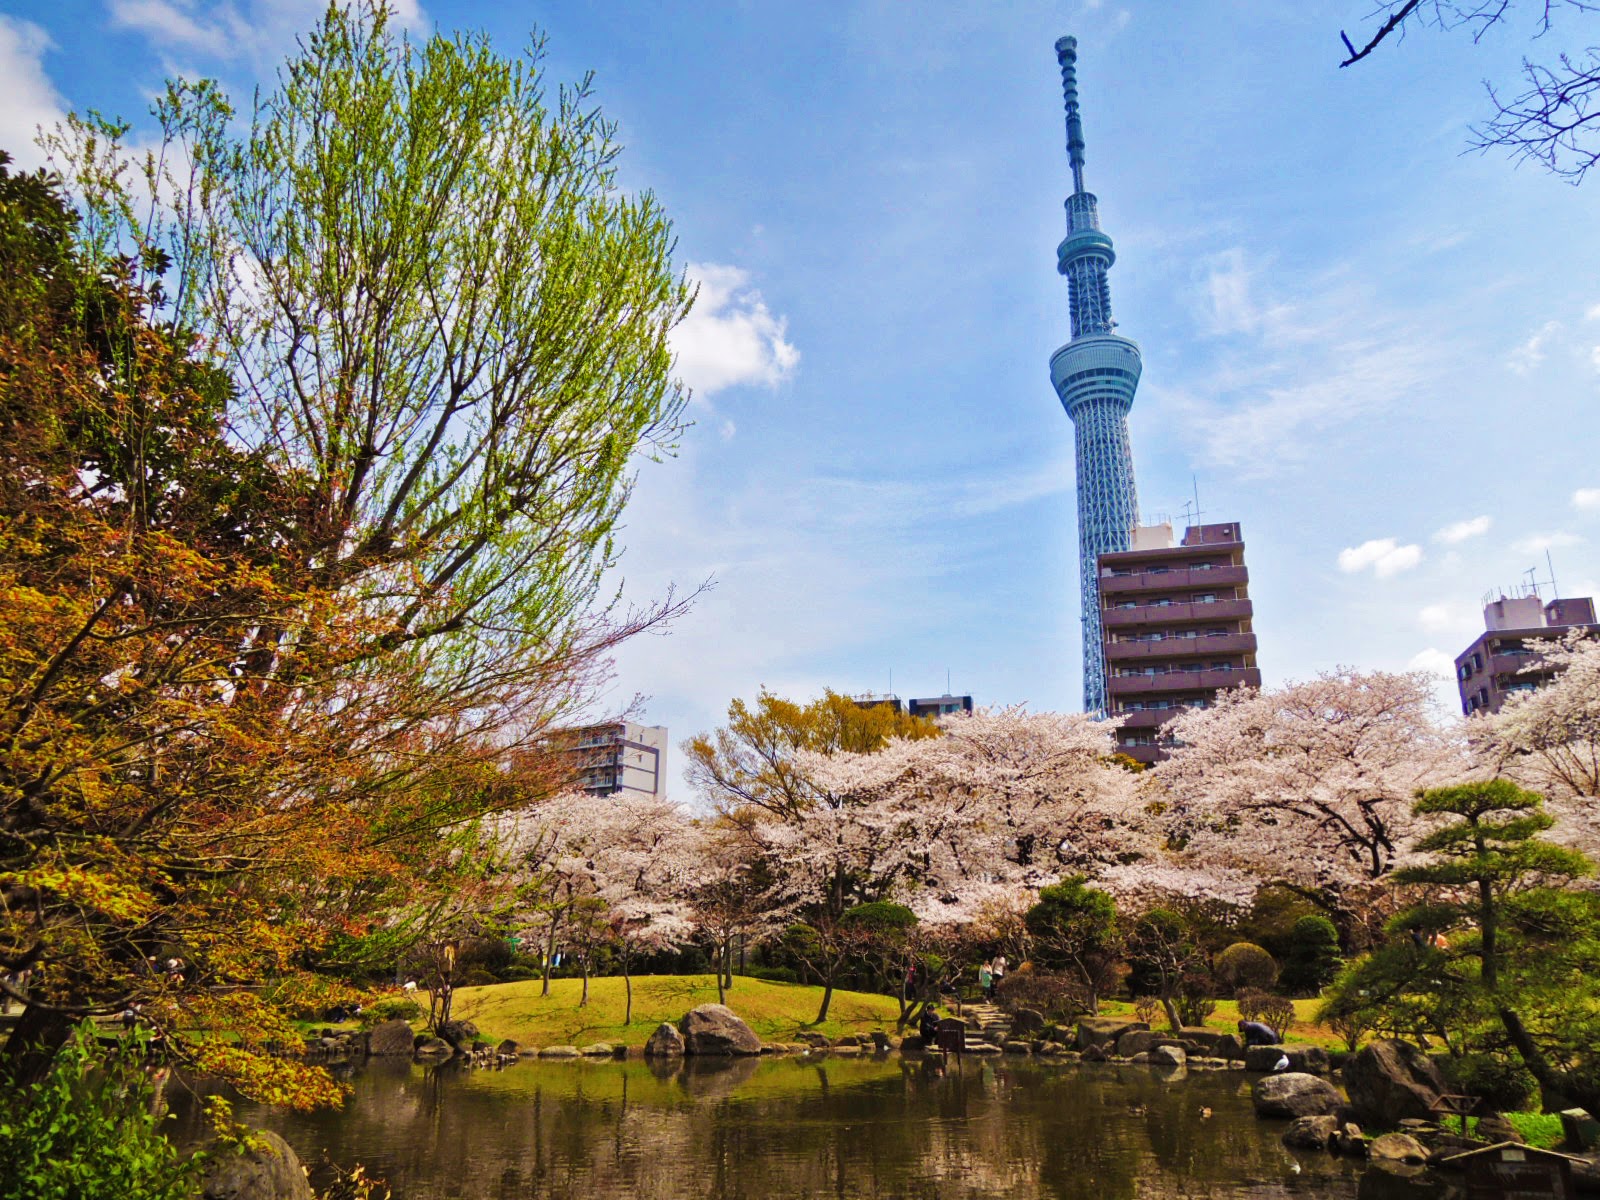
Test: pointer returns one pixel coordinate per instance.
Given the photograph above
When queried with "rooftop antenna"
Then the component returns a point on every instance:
(1191, 510)
(1533, 581)
(1555, 592)
(947, 681)
(1067, 55)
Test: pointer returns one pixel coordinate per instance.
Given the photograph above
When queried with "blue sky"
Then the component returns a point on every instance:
(1377, 353)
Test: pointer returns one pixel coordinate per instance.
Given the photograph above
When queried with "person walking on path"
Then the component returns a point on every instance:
(986, 981)
(998, 970)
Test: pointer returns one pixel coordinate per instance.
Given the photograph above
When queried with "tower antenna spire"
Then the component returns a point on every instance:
(1067, 56)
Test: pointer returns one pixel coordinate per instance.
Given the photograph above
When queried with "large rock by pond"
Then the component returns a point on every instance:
(1026, 1021)
(1105, 1032)
(1294, 1094)
(1397, 1147)
(271, 1171)
(1391, 1081)
(391, 1038)
(717, 1029)
(460, 1034)
(1169, 1056)
(1211, 1043)
(1311, 1133)
(665, 1042)
(1142, 1041)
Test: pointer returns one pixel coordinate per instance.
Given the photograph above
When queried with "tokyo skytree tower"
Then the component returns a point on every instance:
(1095, 374)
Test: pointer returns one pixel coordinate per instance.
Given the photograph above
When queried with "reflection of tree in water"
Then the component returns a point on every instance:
(790, 1127)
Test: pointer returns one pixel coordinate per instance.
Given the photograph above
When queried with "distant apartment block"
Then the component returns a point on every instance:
(1177, 628)
(616, 756)
(932, 707)
(935, 707)
(1505, 659)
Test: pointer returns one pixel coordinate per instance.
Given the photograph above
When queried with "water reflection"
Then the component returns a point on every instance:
(777, 1128)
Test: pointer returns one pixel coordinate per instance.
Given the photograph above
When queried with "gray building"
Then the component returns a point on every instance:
(616, 756)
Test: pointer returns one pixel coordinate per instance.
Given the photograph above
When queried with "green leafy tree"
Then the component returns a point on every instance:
(1162, 952)
(1075, 927)
(884, 947)
(1505, 950)
(88, 1131)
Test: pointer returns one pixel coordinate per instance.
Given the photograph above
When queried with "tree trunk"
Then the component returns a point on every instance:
(827, 999)
(583, 1000)
(727, 958)
(1172, 1013)
(31, 1048)
(549, 957)
(627, 984)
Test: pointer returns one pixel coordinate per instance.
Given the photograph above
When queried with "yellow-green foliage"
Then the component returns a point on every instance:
(778, 1012)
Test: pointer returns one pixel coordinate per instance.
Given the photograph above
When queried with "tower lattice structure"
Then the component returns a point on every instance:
(1095, 375)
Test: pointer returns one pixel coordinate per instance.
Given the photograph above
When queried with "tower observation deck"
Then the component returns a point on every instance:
(1095, 375)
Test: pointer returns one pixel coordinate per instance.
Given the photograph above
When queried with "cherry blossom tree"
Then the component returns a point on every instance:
(599, 869)
(644, 864)
(729, 892)
(1548, 740)
(1006, 796)
(1312, 783)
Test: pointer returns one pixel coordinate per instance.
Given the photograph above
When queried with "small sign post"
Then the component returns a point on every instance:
(951, 1035)
(1458, 1106)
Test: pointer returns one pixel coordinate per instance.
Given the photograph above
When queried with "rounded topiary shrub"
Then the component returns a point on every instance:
(1313, 959)
(1245, 965)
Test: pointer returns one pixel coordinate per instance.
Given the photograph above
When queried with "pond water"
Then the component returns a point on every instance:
(794, 1127)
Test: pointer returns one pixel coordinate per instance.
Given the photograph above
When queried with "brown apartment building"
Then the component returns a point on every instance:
(1177, 628)
(1505, 658)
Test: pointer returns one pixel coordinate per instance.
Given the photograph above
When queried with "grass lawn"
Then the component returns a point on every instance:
(1304, 1031)
(778, 1012)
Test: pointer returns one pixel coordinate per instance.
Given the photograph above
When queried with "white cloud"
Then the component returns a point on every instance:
(1531, 353)
(1538, 543)
(730, 337)
(1229, 295)
(1594, 357)
(1448, 616)
(1460, 531)
(1385, 556)
(1593, 314)
(1320, 360)
(1586, 499)
(27, 99)
(261, 31)
(1434, 661)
